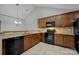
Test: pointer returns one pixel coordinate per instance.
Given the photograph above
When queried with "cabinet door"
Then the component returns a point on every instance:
(68, 20)
(33, 39)
(27, 42)
(69, 41)
(41, 23)
(59, 39)
(50, 19)
(59, 21)
(37, 38)
(76, 14)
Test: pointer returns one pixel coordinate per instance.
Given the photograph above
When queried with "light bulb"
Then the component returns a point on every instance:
(19, 22)
(15, 22)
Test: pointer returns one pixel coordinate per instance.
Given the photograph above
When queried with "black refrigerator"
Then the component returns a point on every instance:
(76, 32)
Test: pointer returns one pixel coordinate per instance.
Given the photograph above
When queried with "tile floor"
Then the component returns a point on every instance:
(47, 49)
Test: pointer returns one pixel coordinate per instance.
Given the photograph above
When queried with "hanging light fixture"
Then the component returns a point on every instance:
(17, 22)
(17, 9)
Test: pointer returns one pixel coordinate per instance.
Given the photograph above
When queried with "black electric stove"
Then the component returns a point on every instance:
(49, 37)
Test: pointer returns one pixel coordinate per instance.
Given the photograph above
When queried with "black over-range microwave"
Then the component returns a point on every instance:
(50, 24)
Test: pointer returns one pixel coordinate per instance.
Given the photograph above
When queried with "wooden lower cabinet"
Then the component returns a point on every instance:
(69, 41)
(65, 40)
(31, 40)
(59, 39)
(27, 42)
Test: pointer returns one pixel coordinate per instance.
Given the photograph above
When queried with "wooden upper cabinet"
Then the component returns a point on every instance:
(59, 39)
(69, 41)
(64, 20)
(59, 21)
(68, 20)
(76, 14)
(41, 23)
(50, 19)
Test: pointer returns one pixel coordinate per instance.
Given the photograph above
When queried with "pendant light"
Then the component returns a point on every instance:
(18, 22)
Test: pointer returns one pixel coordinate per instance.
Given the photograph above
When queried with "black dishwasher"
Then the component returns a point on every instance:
(14, 46)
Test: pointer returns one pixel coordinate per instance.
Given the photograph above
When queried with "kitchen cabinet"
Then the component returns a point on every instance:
(41, 23)
(59, 21)
(64, 20)
(31, 40)
(76, 14)
(37, 38)
(27, 42)
(50, 19)
(69, 41)
(65, 40)
(59, 39)
(67, 19)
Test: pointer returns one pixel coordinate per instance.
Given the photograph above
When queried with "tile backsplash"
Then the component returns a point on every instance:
(62, 30)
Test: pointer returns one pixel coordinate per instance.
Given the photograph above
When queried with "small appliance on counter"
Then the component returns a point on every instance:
(49, 37)
(76, 32)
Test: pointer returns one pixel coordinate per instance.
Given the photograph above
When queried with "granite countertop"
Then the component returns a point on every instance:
(19, 33)
(9, 34)
(65, 33)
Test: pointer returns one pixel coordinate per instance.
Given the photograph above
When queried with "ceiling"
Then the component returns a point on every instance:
(11, 10)
(25, 9)
(61, 6)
